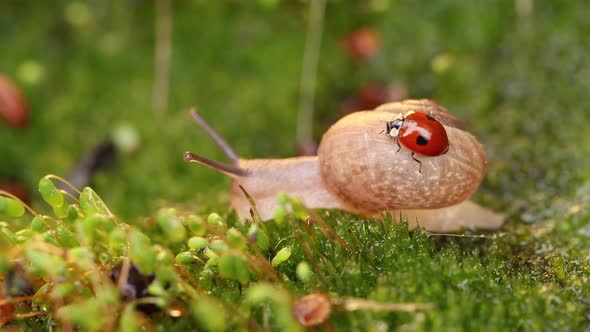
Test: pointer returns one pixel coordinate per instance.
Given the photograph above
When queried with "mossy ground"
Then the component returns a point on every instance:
(518, 76)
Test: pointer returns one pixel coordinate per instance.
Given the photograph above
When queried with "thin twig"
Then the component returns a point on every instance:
(309, 71)
(355, 303)
(162, 56)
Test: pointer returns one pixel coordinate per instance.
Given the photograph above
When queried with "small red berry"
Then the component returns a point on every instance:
(374, 94)
(362, 44)
(13, 107)
(16, 189)
(312, 309)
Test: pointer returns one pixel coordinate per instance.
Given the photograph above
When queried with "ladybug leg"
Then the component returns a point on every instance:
(419, 162)
(399, 147)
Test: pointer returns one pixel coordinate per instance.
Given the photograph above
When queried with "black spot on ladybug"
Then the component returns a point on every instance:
(429, 117)
(421, 140)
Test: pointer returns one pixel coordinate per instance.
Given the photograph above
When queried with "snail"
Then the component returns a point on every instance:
(362, 168)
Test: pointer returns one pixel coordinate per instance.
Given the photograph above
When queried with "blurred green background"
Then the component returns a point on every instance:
(517, 72)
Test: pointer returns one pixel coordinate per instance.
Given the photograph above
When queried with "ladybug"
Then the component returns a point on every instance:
(420, 133)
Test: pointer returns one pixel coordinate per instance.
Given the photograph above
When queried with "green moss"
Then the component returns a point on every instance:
(473, 282)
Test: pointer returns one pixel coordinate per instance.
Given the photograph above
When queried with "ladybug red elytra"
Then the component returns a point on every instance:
(420, 133)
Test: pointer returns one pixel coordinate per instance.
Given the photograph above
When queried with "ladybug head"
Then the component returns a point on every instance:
(393, 127)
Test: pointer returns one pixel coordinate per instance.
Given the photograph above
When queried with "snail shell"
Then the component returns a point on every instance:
(359, 169)
(361, 166)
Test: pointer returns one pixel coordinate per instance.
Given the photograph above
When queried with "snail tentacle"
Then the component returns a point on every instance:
(230, 170)
(222, 143)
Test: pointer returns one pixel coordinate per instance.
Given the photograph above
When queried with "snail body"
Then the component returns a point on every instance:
(361, 169)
